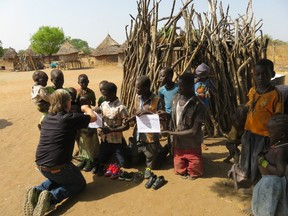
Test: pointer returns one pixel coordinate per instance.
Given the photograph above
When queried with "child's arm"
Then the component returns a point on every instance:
(192, 131)
(44, 94)
(281, 163)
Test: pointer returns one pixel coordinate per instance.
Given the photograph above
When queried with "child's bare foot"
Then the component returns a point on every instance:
(204, 147)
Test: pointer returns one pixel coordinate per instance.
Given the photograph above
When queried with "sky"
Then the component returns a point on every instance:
(92, 20)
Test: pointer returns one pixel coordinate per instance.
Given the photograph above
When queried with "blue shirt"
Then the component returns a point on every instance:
(167, 95)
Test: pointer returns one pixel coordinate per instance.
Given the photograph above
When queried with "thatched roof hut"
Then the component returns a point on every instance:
(69, 56)
(67, 49)
(10, 54)
(107, 50)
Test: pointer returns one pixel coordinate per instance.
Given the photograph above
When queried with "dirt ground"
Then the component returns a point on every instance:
(19, 137)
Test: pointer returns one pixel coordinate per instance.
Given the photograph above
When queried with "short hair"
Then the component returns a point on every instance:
(103, 82)
(110, 87)
(168, 71)
(83, 75)
(187, 78)
(268, 64)
(280, 122)
(37, 74)
(73, 93)
(144, 81)
(56, 71)
(58, 101)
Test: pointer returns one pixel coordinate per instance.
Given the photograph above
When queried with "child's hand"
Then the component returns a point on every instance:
(143, 112)
(106, 130)
(98, 110)
(262, 161)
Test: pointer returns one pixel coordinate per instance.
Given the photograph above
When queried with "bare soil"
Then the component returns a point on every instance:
(19, 136)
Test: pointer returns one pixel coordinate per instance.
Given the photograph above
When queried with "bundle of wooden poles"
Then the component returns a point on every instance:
(230, 47)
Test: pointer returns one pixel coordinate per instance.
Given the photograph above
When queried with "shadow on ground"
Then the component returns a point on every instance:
(4, 123)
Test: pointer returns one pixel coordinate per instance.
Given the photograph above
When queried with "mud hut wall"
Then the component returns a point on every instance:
(121, 57)
(68, 58)
(107, 58)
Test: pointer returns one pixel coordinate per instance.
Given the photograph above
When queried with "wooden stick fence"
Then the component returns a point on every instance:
(229, 46)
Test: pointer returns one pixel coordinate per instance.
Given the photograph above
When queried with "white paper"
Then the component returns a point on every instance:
(97, 123)
(148, 123)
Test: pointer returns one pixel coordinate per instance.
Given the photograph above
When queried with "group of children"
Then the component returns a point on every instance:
(183, 107)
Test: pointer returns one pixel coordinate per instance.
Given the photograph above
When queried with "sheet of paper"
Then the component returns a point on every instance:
(97, 123)
(148, 123)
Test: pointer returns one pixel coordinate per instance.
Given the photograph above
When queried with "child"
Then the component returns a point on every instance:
(188, 114)
(146, 102)
(57, 78)
(167, 91)
(202, 83)
(88, 140)
(75, 107)
(234, 137)
(264, 102)
(101, 98)
(39, 94)
(270, 193)
(84, 91)
(202, 88)
(168, 88)
(114, 112)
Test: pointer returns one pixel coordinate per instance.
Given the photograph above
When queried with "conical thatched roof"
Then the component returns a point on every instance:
(9, 54)
(67, 49)
(107, 47)
(29, 52)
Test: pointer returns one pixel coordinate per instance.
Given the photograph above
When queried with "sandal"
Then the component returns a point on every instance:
(159, 182)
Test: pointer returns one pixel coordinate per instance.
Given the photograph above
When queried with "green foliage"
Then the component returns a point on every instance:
(1, 49)
(81, 45)
(166, 33)
(47, 40)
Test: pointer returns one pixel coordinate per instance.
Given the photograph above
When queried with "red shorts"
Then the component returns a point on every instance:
(188, 161)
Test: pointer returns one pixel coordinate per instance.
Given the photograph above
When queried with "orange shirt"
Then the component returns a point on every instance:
(261, 108)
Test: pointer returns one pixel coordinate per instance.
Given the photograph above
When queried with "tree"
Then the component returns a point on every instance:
(47, 40)
(1, 49)
(81, 45)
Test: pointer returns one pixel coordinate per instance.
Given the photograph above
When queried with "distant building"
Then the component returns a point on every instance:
(107, 51)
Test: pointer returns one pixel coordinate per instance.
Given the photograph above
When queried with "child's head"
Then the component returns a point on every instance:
(83, 81)
(239, 117)
(278, 130)
(143, 84)
(109, 91)
(186, 84)
(73, 93)
(202, 71)
(264, 71)
(101, 85)
(40, 78)
(57, 78)
(166, 75)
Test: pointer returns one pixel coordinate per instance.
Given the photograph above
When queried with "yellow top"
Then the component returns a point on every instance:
(261, 108)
